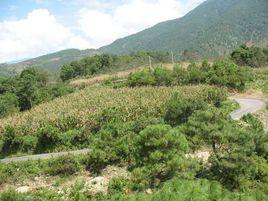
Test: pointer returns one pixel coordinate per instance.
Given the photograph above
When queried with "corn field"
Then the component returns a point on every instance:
(84, 106)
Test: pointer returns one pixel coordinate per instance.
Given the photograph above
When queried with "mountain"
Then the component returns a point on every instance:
(212, 29)
(50, 62)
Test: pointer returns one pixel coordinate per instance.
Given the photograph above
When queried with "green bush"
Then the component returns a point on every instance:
(10, 141)
(181, 75)
(113, 144)
(250, 56)
(163, 76)
(205, 128)
(64, 165)
(48, 138)
(80, 138)
(228, 74)
(239, 161)
(28, 143)
(215, 96)
(254, 122)
(180, 108)
(9, 104)
(198, 189)
(221, 73)
(196, 74)
(118, 185)
(28, 89)
(9, 195)
(107, 63)
(141, 78)
(159, 156)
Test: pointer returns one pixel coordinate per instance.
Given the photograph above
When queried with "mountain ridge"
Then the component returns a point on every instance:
(200, 30)
(212, 29)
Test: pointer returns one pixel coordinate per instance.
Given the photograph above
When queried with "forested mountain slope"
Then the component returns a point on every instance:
(212, 29)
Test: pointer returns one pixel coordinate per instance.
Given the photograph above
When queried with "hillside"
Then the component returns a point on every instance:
(50, 62)
(212, 29)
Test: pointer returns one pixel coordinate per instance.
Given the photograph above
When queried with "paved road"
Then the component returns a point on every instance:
(246, 106)
(43, 156)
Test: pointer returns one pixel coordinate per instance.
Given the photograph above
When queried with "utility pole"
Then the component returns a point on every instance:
(172, 57)
(150, 63)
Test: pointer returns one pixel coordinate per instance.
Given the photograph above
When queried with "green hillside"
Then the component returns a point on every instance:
(212, 29)
(50, 62)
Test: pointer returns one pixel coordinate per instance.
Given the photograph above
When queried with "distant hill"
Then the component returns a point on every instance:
(50, 62)
(212, 29)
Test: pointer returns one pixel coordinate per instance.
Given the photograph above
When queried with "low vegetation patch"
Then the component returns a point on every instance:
(250, 56)
(28, 89)
(222, 73)
(105, 63)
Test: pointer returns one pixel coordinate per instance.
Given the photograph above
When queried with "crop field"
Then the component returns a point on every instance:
(83, 107)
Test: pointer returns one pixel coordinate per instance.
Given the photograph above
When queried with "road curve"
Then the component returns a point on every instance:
(247, 105)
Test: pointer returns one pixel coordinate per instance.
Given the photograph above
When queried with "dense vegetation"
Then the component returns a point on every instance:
(250, 56)
(150, 125)
(105, 62)
(67, 124)
(154, 147)
(28, 89)
(212, 29)
(222, 73)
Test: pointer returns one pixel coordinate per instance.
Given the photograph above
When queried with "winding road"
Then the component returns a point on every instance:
(247, 105)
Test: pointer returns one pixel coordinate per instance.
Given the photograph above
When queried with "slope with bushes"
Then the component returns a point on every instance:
(153, 147)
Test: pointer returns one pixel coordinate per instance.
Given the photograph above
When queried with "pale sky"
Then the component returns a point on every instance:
(30, 28)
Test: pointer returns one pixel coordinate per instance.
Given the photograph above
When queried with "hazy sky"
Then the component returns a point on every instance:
(30, 28)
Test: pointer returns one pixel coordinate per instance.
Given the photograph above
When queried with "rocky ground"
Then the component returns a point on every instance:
(94, 184)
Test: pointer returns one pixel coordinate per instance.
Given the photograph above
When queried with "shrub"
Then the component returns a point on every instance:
(11, 142)
(64, 165)
(206, 128)
(181, 75)
(97, 160)
(159, 156)
(117, 185)
(48, 138)
(113, 144)
(254, 122)
(163, 76)
(143, 122)
(9, 195)
(180, 108)
(196, 74)
(250, 56)
(240, 161)
(9, 104)
(225, 73)
(141, 78)
(80, 138)
(28, 143)
(215, 96)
